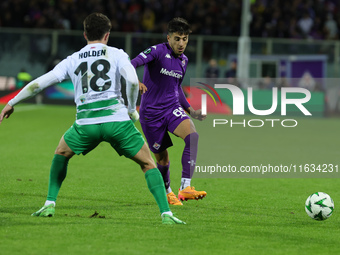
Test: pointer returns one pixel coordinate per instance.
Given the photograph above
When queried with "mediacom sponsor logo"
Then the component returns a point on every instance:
(171, 73)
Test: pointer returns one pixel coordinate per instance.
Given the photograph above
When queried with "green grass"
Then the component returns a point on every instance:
(238, 216)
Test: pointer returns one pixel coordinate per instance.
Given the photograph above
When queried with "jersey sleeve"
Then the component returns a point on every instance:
(129, 73)
(146, 56)
(132, 88)
(61, 70)
(182, 99)
(34, 87)
(123, 59)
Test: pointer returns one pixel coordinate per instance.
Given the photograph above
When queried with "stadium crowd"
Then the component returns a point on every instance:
(317, 19)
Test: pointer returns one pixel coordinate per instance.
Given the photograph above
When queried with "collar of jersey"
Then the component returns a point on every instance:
(95, 44)
(172, 52)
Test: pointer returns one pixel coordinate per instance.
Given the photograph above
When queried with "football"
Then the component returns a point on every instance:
(319, 206)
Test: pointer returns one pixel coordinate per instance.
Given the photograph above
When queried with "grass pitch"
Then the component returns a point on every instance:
(104, 206)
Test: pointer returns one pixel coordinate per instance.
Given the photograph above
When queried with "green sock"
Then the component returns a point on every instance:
(57, 176)
(156, 186)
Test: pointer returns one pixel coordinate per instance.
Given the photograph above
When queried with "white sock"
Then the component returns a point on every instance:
(48, 202)
(168, 213)
(185, 182)
(168, 190)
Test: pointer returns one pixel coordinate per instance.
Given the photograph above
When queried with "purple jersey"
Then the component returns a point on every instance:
(163, 75)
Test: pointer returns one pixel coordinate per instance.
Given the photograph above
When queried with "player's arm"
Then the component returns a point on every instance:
(195, 114)
(136, 62)
(143, 58)
(30, 90)
(132, 87)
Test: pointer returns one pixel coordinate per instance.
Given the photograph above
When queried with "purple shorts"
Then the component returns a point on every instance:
(156, 130)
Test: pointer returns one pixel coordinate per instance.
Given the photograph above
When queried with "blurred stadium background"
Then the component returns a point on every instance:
(287, 39)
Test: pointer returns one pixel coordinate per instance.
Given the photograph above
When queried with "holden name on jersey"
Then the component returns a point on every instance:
(93, 53)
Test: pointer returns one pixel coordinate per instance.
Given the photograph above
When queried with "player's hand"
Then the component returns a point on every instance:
(134, 116)
(6, 112)
(197, 114)
(142, 88)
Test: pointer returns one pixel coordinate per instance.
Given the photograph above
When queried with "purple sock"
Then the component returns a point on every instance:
(189, 155)
(165, 174)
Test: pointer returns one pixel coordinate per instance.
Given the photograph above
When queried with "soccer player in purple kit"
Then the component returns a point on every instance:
(162, 104)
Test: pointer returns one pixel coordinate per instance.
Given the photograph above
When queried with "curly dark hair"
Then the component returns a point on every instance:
(179, 25)
(96, 25)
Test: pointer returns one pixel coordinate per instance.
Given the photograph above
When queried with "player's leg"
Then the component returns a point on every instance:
(163, 165)
(130, 143)
(153, 177)
(155, 184)
(187, 131)
(77, 139)
(157, 136)
(57, 175)
(58, 171)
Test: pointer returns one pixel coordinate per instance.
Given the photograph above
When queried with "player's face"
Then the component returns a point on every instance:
(178, 42)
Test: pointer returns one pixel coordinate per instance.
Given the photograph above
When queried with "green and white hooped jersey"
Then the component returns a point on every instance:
(94, 71)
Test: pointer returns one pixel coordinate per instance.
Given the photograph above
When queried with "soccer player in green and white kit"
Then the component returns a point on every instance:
(95, 71)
